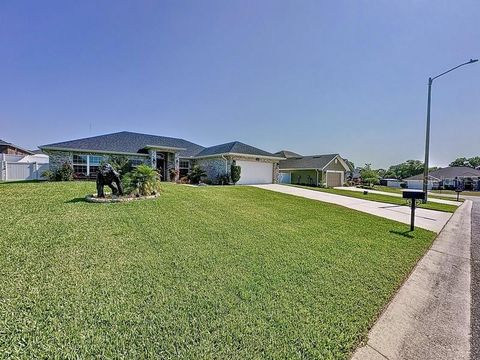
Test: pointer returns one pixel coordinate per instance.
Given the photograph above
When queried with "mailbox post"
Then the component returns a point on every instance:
(413, 195)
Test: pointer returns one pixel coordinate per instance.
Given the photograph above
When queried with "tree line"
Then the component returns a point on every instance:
(408, 168)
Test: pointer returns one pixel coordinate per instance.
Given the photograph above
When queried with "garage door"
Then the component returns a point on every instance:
(255, 172)
(334, 179)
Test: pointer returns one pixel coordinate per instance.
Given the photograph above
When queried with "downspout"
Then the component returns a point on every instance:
(317, 175)
(226, 164)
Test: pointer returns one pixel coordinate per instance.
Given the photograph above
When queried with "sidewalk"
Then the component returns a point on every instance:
(429, 318)
(425, 219)
(431, 199)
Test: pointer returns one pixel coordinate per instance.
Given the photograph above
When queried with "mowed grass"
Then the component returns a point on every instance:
(383, 198)
(433, 193)
(198, 273)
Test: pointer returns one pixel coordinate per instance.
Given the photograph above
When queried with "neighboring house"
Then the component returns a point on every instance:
(447, 178)
(11, 149)
(165, 153)
(327, 170)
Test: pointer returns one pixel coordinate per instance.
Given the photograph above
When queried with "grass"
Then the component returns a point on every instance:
(207, 272)
(452, 192)
(436, 195)
(383, 198)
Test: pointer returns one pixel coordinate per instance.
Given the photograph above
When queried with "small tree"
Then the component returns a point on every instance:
(120, 163)
(196, 174)
(369, 176)
(235, 171)
(142, 180)
(64, 173)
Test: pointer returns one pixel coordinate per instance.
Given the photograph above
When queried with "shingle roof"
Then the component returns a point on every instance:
(3, 143)
(287, 154)
(307, 162)
(127, 142)
(235, 147)
(449, 173)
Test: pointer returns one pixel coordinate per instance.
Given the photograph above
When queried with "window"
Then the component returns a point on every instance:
(136, 162)
(80, 164)
(184, 167)
(94, 163)
(86, 164)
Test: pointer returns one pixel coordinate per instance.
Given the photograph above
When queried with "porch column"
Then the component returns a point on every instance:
(153, 158)
(177, 166)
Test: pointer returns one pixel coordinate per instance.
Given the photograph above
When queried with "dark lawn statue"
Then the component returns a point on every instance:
(108, 176)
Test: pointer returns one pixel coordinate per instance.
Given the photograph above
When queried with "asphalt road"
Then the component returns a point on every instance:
(475, 280)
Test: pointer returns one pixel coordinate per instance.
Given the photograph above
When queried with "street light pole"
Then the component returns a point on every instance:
(427, 132)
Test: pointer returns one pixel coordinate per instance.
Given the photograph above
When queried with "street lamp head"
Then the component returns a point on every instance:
(473, 60)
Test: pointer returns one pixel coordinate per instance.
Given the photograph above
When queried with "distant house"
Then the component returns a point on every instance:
(170, 156)
(447, 178)
(327, 170)
(12, 149)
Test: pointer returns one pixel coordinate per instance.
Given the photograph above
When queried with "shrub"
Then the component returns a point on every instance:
(173, 174)
(143, 180)
(223, 179)
(120, 163)
(196, 174)
(63, 173)
(235, 171)
(49, 175)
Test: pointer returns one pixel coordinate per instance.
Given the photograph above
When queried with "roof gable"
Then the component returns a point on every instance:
(307, 162)
(287, 154)
(235, 147)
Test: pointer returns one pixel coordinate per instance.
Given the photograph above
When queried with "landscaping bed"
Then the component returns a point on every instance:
(206, 272)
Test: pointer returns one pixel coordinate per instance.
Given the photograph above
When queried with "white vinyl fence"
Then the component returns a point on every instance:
(10, 171)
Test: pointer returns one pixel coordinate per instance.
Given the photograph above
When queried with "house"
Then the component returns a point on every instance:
(165, 154)
(11, 149)
(447, 178)
(327, 170)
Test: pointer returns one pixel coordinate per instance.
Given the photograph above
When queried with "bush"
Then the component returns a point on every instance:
(196, 174)
(65, 173)
(235, 171)
(173, 174)
(49, 175)
(143, 180)
(120, 163)
(223, 179)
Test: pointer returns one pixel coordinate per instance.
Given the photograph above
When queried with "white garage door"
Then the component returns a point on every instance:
(255, 172)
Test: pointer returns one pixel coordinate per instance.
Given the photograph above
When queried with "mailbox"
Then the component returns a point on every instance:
(413, 194)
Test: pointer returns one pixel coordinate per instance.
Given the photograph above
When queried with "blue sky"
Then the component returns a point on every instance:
(309, 76)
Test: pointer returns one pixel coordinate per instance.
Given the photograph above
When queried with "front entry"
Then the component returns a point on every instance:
(162, 165)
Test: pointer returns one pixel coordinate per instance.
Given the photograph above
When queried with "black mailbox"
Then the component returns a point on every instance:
(413, 194)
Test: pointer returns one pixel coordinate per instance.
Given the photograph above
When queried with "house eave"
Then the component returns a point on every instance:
(240, 155)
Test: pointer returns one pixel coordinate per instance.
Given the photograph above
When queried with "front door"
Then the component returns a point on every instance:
(162, 165)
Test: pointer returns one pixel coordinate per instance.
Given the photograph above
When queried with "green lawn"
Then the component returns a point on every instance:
(436, 195)
(200, 272)
(451, 192)
(383, 198)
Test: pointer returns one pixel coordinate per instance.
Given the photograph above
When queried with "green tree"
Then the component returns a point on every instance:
(369, 176)
(196, 174)
(235, 171)
(463, 161)
(143, 180)
(405, 169)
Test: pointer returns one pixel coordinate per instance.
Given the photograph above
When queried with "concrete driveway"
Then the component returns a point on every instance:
(426, 219)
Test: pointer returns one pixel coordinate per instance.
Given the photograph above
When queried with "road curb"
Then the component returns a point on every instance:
(429, 317)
